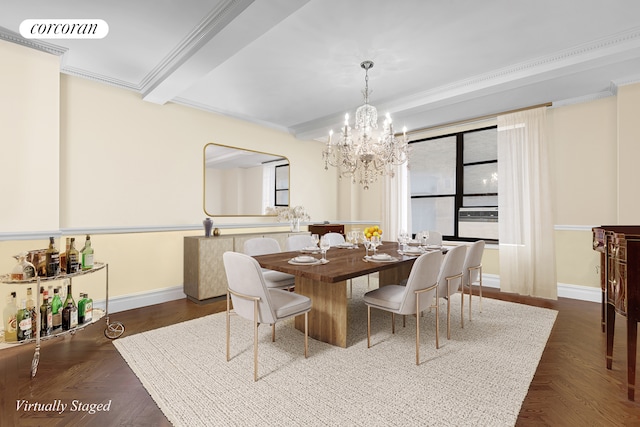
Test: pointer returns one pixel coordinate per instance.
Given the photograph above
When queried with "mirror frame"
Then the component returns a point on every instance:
(204, 179)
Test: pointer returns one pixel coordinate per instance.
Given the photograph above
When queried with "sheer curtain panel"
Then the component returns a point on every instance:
(527, 249)
(395, 204)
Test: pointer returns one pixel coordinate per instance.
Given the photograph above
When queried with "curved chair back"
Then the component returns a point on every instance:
(335, 238)
(261, 246)
(244, 276)
(451, 266)
(424, 273)
(473, 259)
(299, 241)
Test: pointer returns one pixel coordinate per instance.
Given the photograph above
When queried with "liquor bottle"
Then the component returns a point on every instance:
(9, 319)
(85, 309)
(56, 312)
(87, 255)
(73, 257)
(81, 305)
(52, 259)
(69, 312)
(23, 319)
(63, 256)
(46, 317)
(49, 316)
(31, 306)
(88, 309)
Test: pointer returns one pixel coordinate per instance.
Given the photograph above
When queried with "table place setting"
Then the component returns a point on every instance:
(307, 260)
(310, 250)
(381, 257)
(346, 246)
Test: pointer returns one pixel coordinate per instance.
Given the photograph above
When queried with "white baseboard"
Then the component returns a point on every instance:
(142, 299)
(158, 296)
(565, 290)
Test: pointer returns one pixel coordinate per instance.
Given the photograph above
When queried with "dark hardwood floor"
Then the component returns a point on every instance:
(571, 386)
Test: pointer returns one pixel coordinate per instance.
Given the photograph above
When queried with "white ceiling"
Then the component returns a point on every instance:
(294, 64)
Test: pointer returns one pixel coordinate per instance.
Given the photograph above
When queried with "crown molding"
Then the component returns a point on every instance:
(16, 38)
(200, 35)
(565, 59)
(191, 104)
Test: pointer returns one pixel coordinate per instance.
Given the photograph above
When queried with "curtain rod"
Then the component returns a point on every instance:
(476, 119)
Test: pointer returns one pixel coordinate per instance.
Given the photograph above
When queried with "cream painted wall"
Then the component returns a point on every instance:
(124, 163)
(29, 140)
(148, 156)
(629, 153)
(582, 141)
(583, 154)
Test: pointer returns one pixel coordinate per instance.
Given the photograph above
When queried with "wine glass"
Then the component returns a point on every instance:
(325, 244)
(424, 239)
(403, 238)
(367, 245)
(316, 239)
(375, 242)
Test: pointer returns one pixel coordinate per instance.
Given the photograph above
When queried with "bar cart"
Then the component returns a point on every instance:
(112, 331)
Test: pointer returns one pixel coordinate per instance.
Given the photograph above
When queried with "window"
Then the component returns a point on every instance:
(454, 185)
(282, 185)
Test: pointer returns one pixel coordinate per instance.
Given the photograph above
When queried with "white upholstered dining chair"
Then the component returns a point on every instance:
(253, 300)
(299, 241)
(335, 238)
(419, 294)
(472, 270)
(267, 245)
(450, 281)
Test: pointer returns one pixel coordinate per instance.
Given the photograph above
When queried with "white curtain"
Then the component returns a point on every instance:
(527, 249)
(396, 210)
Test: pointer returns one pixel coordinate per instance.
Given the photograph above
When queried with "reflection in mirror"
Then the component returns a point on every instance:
(240, 182)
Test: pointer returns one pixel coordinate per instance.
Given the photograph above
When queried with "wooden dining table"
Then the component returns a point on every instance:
(326, 284)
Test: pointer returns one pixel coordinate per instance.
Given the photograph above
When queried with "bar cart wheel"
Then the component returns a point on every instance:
(114, 330)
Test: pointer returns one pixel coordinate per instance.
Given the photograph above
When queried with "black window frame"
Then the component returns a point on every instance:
(276, 189)
(459, 186)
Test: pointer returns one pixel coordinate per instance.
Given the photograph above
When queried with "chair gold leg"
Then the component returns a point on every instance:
(470, 295)
(368, 326)
(480, 282)
(417, 331)
(306, 334)
(449, 318)
(393, 323)
(273, 333)
(255, 341)
(437, 325)
(228, 357)
(462, 306)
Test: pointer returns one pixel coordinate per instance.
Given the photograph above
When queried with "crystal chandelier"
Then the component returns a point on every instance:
(365, 153)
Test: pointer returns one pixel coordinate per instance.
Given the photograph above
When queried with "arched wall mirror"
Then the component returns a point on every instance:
(239, 182)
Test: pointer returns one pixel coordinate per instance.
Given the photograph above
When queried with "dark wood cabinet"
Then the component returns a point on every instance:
(619, 247)
(322, 229)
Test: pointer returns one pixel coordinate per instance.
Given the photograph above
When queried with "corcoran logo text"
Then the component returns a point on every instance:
(64, 28)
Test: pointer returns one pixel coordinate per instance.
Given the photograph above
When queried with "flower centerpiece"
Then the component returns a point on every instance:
(292, 214)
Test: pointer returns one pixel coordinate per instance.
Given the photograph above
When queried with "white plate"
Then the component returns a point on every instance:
(345, 245)
(315, 262)
(372, 259)
(304, 259)
(413, 250)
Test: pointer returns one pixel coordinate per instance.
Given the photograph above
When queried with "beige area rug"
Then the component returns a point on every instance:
(478, 378)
